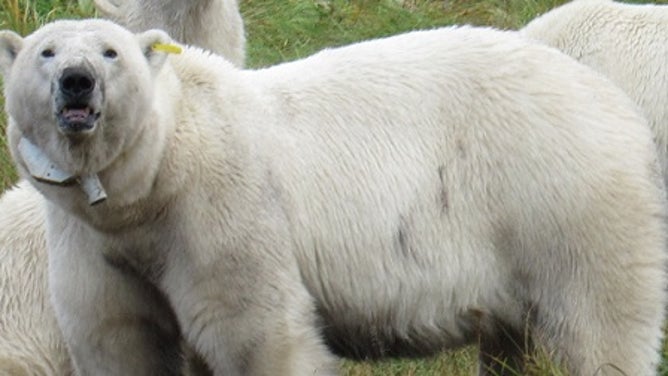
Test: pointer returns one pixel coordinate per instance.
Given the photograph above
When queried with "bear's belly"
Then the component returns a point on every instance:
(369, 336)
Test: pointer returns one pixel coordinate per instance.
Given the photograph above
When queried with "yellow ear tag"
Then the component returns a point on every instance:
(167, 48)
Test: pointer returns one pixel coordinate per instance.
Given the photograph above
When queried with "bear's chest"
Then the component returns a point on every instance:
(141, 251)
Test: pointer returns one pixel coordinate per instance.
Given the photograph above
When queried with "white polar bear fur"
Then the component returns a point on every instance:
(212, 24)
(397, 196)
(22, 238)
(30, 341)
(625, 42)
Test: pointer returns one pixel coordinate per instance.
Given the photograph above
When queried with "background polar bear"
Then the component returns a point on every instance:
(29, 339)
(394, 197)
(626, 42)
(212, 24)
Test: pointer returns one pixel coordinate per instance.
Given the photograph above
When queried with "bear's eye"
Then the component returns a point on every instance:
(48, 53)
(110, 53)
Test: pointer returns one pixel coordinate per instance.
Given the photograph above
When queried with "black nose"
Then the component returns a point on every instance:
(76, 83)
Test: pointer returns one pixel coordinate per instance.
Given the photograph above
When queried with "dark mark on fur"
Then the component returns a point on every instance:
(119, 263)
(402, 239)
(460, 149)
(150, 272)
(195, 363)
(443, 196)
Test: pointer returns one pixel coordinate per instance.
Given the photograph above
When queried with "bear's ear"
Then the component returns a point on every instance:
(10, 45)
(110, 8)
(147, 40)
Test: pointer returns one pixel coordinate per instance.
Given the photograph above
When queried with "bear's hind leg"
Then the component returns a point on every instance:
(605, 319)
(609, 333)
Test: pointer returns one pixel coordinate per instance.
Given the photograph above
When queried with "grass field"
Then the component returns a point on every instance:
(282, 30)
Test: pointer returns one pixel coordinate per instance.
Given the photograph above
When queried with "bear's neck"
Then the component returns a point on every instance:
(148, 174)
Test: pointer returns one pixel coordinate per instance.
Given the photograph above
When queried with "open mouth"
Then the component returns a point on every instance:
(77, 118)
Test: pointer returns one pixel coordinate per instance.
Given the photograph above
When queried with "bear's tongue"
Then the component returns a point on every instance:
(76, 115)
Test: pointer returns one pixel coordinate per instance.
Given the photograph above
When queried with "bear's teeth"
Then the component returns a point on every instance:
(76, 114)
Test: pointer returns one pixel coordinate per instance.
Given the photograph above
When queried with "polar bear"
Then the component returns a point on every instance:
(30, 340)
(394, 197)
(625, 42)
(212, 24)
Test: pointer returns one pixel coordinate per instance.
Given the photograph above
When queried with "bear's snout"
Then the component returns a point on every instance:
(76, 83)
(75, 110)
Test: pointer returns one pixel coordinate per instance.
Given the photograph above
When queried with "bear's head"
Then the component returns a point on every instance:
(79, 92)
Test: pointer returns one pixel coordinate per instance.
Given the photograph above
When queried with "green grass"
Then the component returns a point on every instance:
(453, 363)
(285, 30)
(24, 16)
(282, 30)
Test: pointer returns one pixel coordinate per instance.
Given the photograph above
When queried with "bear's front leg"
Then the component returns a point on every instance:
(248, 313)
(113, 322)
